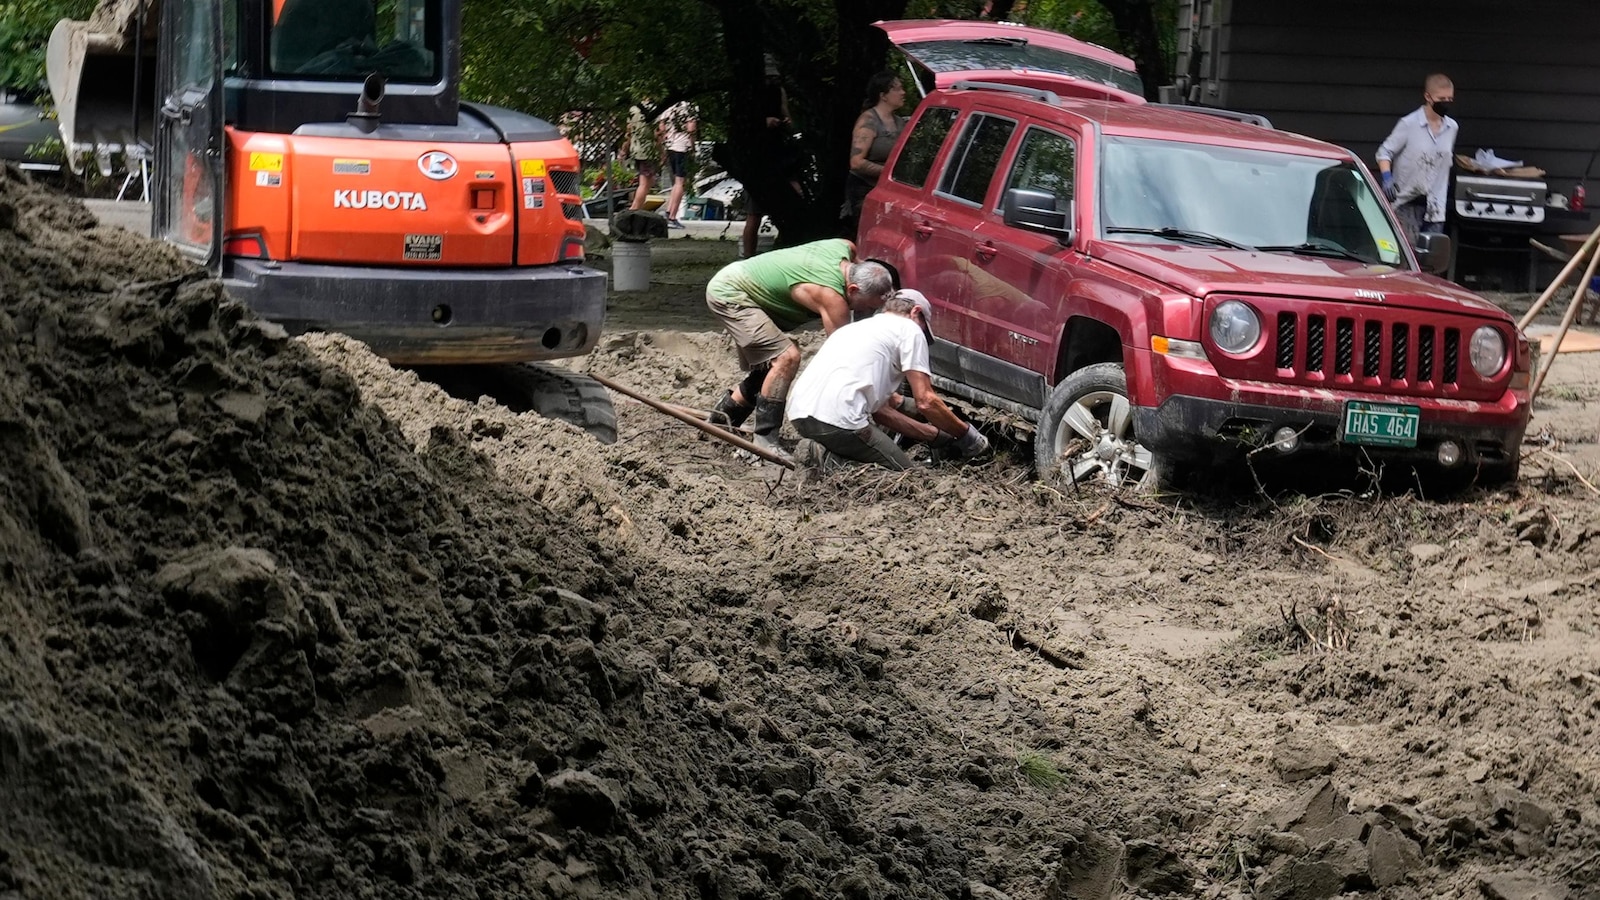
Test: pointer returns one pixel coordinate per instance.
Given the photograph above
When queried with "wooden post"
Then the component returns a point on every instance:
(1566, 271)
(1566, 320)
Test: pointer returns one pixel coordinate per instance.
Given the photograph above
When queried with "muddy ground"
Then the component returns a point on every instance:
(277, 620)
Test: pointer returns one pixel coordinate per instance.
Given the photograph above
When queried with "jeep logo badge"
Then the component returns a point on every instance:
(437, 164)
(1375, 296)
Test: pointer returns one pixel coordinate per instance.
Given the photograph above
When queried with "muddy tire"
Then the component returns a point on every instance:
(540, 388)
(1085, 435)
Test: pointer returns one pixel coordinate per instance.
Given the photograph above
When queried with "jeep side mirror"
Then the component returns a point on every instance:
(1036, 211)
(1433, 252)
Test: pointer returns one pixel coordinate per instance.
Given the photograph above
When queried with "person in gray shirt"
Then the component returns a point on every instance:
(1414, 161)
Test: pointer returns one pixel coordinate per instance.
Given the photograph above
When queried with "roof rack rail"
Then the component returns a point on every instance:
(1247, 118)
(1050, 97)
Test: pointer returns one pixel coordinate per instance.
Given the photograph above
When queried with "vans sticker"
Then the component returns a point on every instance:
(424, 246)
(532, 168)
(379, 200)
(352, 167)
(266, 162)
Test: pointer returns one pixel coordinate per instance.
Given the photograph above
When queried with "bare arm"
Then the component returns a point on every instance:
(900, 423)
(860, 142)
(825, 302)
(932, 407)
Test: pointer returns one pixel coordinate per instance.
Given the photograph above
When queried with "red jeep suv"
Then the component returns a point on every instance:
(1157, 286)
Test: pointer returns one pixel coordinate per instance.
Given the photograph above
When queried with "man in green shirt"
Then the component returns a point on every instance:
(760, 298)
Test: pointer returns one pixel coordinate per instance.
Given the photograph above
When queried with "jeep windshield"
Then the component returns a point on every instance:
(1264, 200)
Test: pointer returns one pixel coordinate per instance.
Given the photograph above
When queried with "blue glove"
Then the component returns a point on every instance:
(1388, 185)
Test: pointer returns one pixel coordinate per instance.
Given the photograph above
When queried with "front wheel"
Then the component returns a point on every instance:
(1085, 434)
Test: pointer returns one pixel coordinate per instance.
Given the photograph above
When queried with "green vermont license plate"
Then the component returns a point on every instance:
(1380, 424)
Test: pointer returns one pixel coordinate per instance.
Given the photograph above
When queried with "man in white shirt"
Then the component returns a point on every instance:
(1414, 161)
(853, 380)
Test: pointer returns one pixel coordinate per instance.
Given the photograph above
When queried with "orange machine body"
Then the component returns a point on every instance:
(296, 198)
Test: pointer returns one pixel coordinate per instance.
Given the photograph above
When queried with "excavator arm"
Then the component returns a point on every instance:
(102, 77)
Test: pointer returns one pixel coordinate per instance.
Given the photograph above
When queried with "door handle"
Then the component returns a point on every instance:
(924, 230)
(985, 251)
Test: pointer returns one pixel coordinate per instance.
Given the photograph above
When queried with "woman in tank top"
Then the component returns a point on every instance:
(876, 130)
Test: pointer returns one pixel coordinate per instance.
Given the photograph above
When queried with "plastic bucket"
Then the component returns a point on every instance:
(630, 266)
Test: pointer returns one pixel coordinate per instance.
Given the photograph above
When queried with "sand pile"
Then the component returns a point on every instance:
(255, 644)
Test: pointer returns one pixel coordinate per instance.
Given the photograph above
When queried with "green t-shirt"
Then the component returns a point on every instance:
(764, 281)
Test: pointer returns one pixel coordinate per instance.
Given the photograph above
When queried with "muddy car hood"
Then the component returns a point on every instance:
(1203, 271)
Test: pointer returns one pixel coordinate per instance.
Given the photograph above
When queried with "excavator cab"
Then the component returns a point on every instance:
(186, 200)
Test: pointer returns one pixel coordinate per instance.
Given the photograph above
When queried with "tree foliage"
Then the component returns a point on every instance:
(596, 57)
(583, 62)
(25, 27)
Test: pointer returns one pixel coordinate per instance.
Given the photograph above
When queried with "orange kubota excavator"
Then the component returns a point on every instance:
(316, 155)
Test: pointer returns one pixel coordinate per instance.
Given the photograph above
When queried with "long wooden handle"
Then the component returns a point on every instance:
(707, 427)
(1566, 323)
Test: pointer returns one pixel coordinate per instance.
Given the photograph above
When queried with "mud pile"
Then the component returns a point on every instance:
(256, 644)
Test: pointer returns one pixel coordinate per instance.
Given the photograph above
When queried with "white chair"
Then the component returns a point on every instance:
(137, 158)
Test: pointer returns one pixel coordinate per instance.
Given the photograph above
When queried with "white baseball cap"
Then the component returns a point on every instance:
(922, 304)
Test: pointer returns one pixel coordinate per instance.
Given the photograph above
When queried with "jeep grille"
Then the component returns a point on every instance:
(1402, 342)
(1363, 348)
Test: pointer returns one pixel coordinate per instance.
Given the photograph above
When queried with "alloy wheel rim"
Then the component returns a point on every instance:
(1098, 429)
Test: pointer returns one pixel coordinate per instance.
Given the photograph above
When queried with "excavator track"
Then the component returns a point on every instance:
(550, 391)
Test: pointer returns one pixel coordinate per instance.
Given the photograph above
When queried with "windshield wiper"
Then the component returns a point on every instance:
(1316, 249)
(1183, 234)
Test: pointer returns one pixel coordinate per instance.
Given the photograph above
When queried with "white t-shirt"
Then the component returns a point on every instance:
(856, 370)
(675, 127)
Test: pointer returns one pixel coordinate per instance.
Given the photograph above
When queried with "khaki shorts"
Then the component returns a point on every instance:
(758, 338)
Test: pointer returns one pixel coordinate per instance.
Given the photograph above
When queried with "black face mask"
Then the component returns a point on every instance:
(1441, 107)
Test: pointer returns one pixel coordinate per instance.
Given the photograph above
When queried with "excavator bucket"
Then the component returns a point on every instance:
(102, 75)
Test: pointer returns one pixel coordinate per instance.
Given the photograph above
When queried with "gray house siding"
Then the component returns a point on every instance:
(1527, 75)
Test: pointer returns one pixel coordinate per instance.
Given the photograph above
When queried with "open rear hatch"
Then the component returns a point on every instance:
(949, 51)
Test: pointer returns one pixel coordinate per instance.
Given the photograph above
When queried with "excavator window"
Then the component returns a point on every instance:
(354, 38)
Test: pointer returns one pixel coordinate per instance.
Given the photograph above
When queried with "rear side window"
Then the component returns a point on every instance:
(916, 158)
(1046, 162)
(976, 157)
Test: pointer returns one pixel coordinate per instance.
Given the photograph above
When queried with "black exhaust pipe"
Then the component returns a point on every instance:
(366, 116)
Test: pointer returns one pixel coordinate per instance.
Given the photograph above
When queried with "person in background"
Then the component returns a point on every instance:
(852, 383)
(643, 152)
(876, 130)
(776, 147)
(678, 125)
(759, 299)
(1414, 161)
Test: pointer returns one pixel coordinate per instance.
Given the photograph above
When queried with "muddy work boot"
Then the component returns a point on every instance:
(728, 413)
(764, 426)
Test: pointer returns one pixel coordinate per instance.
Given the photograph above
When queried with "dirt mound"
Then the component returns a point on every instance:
(256, 644)
(277, 620)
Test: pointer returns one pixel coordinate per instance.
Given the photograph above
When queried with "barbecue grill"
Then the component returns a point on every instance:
(1493, 218)
(1513, 201)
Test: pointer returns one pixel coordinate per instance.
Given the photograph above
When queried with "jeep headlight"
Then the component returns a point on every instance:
(1235, 327)
(1487, 351)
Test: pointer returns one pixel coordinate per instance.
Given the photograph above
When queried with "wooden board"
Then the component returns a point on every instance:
(1576, 341)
